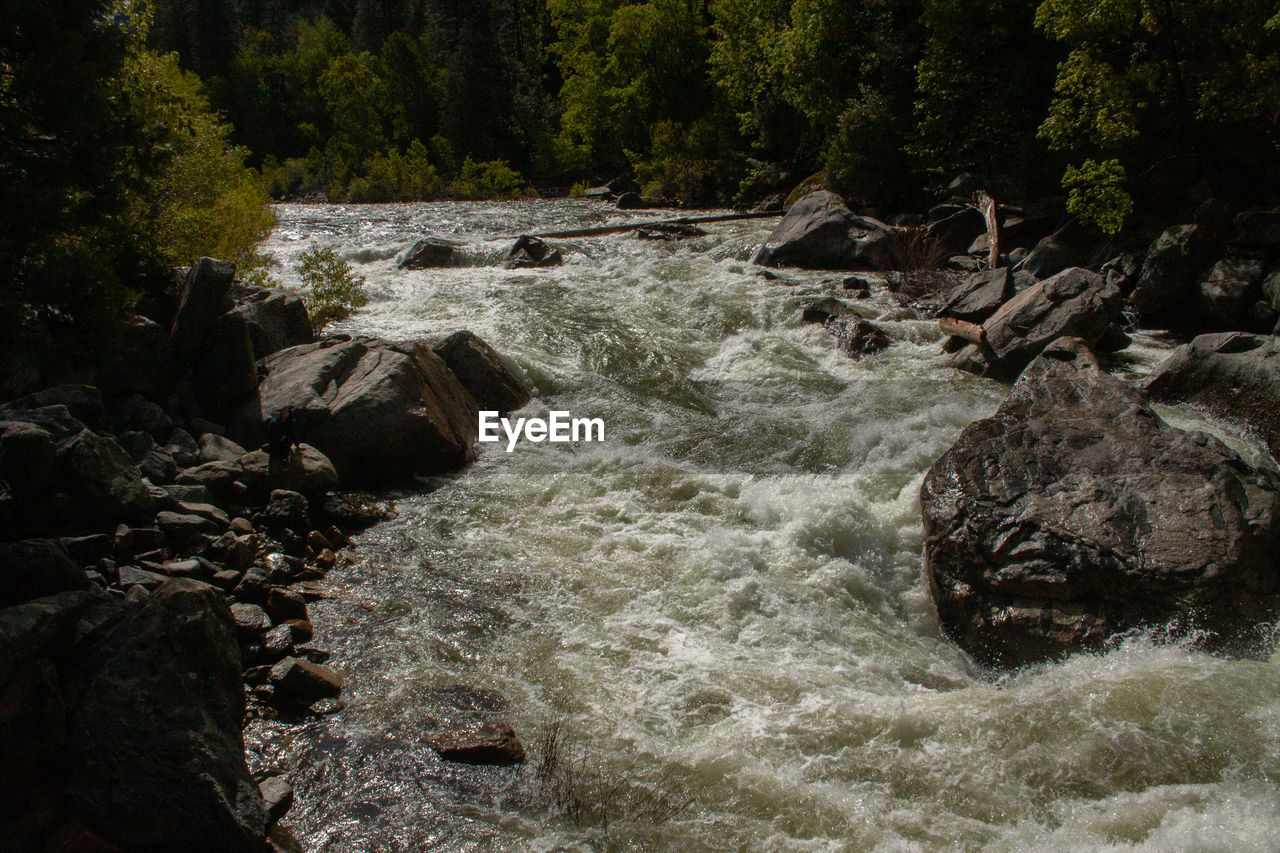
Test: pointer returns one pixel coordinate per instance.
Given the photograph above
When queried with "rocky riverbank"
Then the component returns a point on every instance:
(157, 566)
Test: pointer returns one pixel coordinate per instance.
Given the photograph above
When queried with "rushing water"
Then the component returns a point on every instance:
(718, 613)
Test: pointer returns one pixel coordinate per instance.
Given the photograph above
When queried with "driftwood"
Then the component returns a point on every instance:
(971, 332)
(988, 207)
(656, 223)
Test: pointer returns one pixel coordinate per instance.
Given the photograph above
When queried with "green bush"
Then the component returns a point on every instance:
(334, 292)
(398, 176)
(494, 179)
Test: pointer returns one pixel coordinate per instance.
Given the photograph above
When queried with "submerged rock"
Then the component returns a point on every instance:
(484, 743)
(531, 252)
(429, 253)
(1075, 513)
(856, 336)
(820, 232)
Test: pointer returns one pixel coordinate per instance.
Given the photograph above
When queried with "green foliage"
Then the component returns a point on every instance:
(1097, 194)
(494, 179)
(397, 176)
(334, 292)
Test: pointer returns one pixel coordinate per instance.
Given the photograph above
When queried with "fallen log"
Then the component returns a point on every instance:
(656, 223)
(971, 332)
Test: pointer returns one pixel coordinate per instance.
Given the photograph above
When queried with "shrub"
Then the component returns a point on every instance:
(494, 179)
(334, 292)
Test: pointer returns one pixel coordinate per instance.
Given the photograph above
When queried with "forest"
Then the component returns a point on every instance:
(137, 135)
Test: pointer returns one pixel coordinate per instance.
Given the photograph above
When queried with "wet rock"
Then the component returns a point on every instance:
(35, 568)
(495, 385)
(287, 510)
(819, 232)
(356, 510)
(632, 201)
(284, 605)
(821, 309)
(431, 252)
(278, 642)
(531, 252)
(1228, 294)
(859, 285)
(1074, 302)
(251, 621)
(1165, 291)
(301, 631)
(276, 318)
(307, 471)
(159, 756)
(381, 412)
(1075, 513)
(300, 683)
(1234, 374)
(493, 743)
(277, 794)
(855, 336)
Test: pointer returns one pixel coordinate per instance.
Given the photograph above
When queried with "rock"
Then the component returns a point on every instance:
(251, 621)
(277, 794)
(495, 385)
(219, 478)
(316, 542)
(1227, 295)
(1233, 374)
(193, 568)
(379, 411)
(820, 309)
(158, 466)
(308, 471)
(1271, 291)
(632, 201)
(979, 296)
(183, 448)
(301, 630)
(1259, 229)
(87, 550)
(242, 526)
(1048, 258)
(278, 642)
(859, 284)
(134, 576)
(953, 233)
(83, 402)
(356, 511)
(856, 336)
(189, 494)
(300, 683)
(276, 318)
(667, 232)
(217, 448)
(205, 299)
(207, 511)
(1074, 302)
(224, 371)
(493, 743)
(141, 364)
(181, 529)
(819, 232)
(1113, 340)
(26, 465)
(531, 252)
(429, 253)
(100, 479)
(1075, 513)
(1166, 285)
(35, 568)
(286, 510)
(137, 413)
(158, 751)
(284, 605)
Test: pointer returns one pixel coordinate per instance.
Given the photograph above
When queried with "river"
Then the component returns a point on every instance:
(717, 615)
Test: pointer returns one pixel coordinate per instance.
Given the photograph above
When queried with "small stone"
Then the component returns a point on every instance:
(278, 642)
(277, 793)
(302, 631)
(241, 526)
(283, 605)
(317, 542)
(325, 559)
(251, 620)
(301, 683)
(226, 580)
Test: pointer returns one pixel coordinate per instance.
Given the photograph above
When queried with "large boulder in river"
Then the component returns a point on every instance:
(494, 385)
(381, 412)
(431, 252)
(277, 318)
(1074, 302)
(157, 752)
(531, 252)
(1075, 513)
(979, 296)
(820, 232)
(1165, 291)
(1233, 374)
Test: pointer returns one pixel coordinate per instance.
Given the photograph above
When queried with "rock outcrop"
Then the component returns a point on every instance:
(481, 370)
(381, 412)
(1075, 513)
(820, 232)
(1234, 374)
(1165, 289)
(276, 318)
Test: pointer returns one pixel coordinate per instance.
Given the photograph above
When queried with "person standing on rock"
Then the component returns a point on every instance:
(282, 436)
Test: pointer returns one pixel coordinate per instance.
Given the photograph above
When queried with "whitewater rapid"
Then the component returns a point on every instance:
(719, 610)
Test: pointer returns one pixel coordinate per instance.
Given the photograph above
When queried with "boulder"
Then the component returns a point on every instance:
(308, 471)
(667, 232)
(1233, 374)
(1164, 293)
(35, 568)
(1049, 257)
(300, 683)
(631, 201)
(217, 448)
(856, 336)
(956, 231)
(100, 480)
(220, 478)
(224, 371)
(158, 751)
(83, 402)
(493, 743)
(181, 529)
(979, 296)
(431, 252)
(531, 252)
(381, 412)
(820, 232)
(158, 466)
(276, 318)
(205, 298)
(1228, 295)
(1259, 230)
(821, 309)
(287, 510)
(136, 413)
(1074, 302)
(141, 364)
(1075, 513)
(494, 384)
(27, 453)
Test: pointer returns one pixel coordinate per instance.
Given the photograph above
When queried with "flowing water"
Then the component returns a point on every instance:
(717, 616)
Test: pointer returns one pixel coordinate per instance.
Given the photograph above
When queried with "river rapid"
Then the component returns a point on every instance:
(717, 616)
